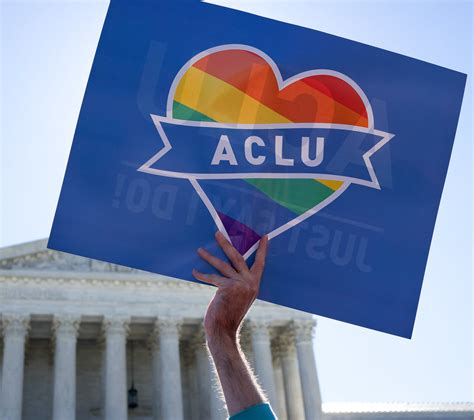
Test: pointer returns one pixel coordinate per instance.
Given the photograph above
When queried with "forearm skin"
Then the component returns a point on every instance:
(240, 388)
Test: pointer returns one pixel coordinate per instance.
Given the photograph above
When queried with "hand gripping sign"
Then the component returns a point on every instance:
(198, 117)
(230, 115)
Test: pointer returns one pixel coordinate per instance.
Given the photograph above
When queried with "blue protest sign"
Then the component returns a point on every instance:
(198, 118)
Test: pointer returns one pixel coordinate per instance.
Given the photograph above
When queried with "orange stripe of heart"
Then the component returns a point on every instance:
(312, 99)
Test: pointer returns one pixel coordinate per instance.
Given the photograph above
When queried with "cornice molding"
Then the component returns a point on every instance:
(46, 284)
(78, 278)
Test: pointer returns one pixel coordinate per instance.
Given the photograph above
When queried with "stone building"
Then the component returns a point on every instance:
(83, 339)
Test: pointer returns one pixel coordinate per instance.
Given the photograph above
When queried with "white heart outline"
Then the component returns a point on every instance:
(282, 84)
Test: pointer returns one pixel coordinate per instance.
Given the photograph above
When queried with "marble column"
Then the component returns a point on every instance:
(168, 330)
(156, 375)
(262, 354)
(204, 374)
(101, 344)
(15, 329)
(65, 330)
(211, 404)
(245, 342)
(192, 403)
(116, 331)
(289, 364)
(1, 357)
(279, 385)
(308, 372)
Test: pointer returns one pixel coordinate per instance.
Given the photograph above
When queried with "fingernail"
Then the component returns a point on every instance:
(218, 233)
(199, 250)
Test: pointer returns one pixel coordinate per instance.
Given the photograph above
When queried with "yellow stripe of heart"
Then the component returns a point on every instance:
(221, 101)
(334, 185)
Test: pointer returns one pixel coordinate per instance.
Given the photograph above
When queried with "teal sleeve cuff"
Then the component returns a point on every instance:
(257, 412)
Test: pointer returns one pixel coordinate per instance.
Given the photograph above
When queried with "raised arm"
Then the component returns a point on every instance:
(237, 288)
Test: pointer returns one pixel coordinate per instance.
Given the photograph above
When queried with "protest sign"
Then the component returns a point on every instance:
(198, 118)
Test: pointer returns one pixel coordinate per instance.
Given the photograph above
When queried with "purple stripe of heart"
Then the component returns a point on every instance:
(241, 236)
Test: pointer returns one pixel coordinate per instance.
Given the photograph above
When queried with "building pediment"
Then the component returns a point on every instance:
(35, 256)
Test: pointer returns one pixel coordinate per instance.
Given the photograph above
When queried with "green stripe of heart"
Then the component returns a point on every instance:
(297, 195)
(182, 112)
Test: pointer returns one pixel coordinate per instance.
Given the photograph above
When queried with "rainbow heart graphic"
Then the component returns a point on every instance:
(240, 86)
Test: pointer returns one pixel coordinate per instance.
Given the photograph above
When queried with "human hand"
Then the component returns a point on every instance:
(237, 288)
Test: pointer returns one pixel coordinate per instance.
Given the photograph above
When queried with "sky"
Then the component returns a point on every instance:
(47, 48)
